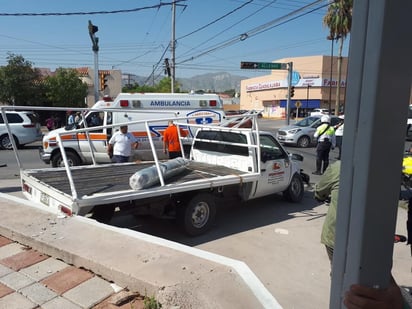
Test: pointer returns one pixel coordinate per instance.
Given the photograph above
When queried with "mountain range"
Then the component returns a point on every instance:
(215, 82)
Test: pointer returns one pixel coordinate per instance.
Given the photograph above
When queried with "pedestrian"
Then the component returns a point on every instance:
(325, 135)
(171, 143)
(70, 120)
(121, 144)
(327, 189)
(50, 123)
(78, 117)
(339, 136)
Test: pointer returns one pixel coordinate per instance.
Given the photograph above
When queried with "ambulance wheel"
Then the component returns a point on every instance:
(57, 159)
(103, 213)
(198, 215)
(294, 193)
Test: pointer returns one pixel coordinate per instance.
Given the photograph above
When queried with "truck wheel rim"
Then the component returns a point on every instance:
(200, 215)
(295, 186)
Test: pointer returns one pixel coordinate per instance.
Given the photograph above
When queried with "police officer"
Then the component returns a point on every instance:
(325, 135)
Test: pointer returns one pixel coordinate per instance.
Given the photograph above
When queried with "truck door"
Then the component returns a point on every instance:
(98, 138)
(275, 167)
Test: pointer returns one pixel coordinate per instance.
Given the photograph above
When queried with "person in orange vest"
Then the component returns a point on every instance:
(171, 143)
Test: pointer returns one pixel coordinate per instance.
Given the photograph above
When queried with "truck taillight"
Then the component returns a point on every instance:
(124, 103)
(26, 188)
(67, 211)
(212, 103)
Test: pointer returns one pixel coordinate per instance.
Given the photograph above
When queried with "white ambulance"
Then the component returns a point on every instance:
(128, 107)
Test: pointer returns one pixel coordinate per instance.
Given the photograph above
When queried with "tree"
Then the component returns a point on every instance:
(164, 86)
(19, 82)
(338, 19)
(65, 89)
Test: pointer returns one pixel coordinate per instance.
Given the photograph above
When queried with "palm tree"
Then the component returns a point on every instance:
(338, 19)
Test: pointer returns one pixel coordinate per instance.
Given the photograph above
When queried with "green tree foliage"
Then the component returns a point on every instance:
(19, 82)
(338, 19)
(65, 88)
(164, 86)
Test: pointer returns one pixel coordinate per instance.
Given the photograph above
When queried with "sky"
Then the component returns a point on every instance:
(134, 36)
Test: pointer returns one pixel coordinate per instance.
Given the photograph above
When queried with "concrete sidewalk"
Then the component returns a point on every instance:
(178, 276)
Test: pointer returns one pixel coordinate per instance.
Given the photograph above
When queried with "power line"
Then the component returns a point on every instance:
(157, 6)
(269, 25)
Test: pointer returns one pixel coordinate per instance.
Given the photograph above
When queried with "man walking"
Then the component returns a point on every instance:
(171, 143)
(121, 144)
(325, 134)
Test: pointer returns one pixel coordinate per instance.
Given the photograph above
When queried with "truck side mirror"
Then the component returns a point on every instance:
(296, 157)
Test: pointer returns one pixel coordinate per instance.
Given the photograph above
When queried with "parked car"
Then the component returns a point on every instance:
(243, 111)
(25, 127)
(301, 133)
(319, 111)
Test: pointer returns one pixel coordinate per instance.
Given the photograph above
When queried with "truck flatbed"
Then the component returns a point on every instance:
(109, 183)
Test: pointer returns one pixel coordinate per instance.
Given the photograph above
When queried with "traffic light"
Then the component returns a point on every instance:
(292, 91)
(92, 28)
(167, 67)
(103, 81)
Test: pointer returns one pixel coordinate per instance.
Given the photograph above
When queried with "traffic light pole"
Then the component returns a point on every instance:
(290, 70)
(95, 47)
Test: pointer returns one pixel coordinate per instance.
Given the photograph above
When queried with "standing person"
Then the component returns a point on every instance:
(327, 189)
(171, 143)
(50, 123)
(325, 134)
(78, 117)
(339, 135)
(357, 297)
(121, 144)
(70, 120)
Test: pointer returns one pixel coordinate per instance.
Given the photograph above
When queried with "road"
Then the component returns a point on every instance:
(278, 240)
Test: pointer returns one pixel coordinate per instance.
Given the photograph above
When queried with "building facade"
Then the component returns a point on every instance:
(109, 83)
(315, 79)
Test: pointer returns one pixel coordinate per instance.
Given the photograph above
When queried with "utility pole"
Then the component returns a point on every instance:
(95, 47)
(290, 71)
(173, 48)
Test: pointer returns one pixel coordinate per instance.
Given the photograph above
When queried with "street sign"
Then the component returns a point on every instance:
(264, 65)
(298, 104)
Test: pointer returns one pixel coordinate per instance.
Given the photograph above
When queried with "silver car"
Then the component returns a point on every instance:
(24, 126)
(301, 133)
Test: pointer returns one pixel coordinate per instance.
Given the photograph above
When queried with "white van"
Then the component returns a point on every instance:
(128, 107)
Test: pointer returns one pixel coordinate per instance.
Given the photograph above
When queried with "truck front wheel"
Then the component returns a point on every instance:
(57, 159)
(294, 193)
(198, 215)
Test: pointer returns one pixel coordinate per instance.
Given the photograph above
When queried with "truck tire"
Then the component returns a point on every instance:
(294, 193)
(103, 213)
(303, 142)
(198, 215)
(72, 158)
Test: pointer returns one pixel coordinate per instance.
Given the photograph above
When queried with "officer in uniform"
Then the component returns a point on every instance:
(325, 135)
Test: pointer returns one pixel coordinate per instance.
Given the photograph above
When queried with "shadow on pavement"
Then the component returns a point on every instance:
(231, 219)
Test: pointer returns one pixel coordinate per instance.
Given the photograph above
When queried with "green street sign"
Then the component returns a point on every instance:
(263, 65)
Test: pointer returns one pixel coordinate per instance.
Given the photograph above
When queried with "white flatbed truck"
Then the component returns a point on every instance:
(226, 162)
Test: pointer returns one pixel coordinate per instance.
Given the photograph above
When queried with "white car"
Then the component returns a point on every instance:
(24, 126)
(319, 111)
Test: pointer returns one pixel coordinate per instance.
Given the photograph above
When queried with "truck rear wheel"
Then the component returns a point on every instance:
(198, 215)
(294, 193)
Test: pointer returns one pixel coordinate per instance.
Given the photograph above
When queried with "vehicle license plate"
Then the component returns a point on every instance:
(44, 198)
